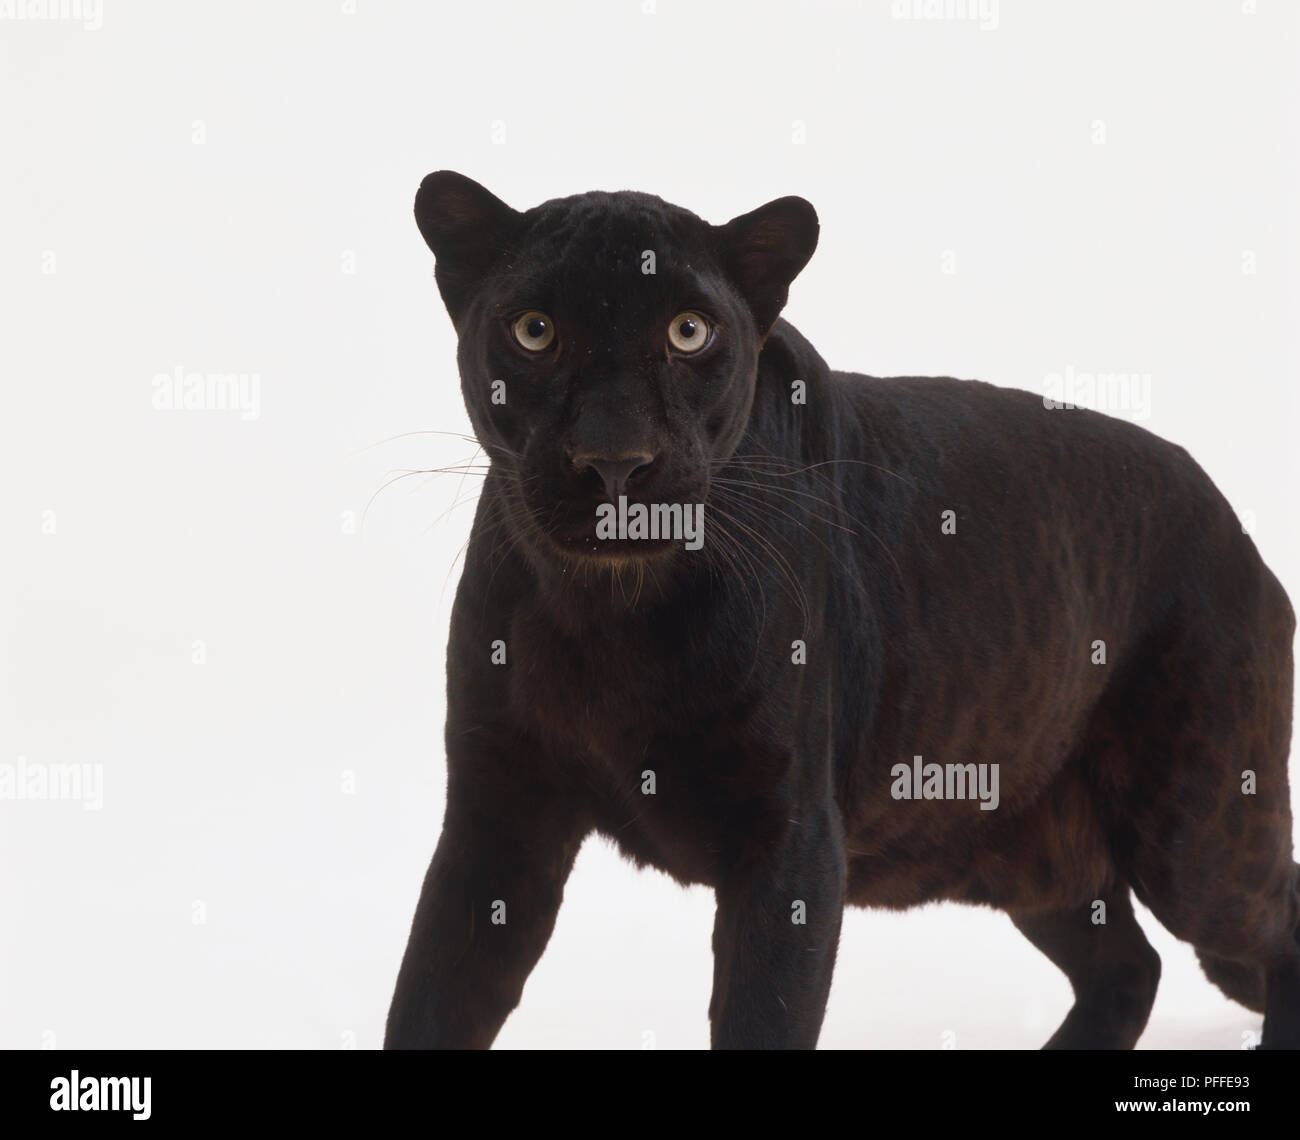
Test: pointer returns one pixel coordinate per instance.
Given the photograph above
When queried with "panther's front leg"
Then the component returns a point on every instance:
(487, 907)
(776, 933)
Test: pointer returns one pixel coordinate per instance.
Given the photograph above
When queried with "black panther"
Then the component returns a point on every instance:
(941, 641)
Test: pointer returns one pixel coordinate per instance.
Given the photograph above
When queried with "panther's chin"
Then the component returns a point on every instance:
(613, 552)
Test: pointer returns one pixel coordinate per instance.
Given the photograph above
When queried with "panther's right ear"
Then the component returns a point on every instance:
(468, 228)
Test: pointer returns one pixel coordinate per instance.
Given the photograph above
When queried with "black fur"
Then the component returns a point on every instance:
(970, 642)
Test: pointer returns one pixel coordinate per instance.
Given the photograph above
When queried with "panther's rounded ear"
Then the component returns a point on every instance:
(764, 251)
(467, 227)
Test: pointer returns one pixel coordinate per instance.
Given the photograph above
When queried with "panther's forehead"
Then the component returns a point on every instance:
(618, 216)
(615, 256)
(633, 239)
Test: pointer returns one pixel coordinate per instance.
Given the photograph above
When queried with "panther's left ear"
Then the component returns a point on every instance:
(764, 250)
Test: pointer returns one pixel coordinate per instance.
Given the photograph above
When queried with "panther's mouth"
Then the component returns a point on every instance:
(614, 551)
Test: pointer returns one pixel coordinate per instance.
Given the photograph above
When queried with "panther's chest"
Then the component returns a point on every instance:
(668, 766)
(584, 699)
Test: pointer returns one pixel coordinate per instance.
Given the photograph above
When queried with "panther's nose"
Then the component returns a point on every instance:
(614, 470)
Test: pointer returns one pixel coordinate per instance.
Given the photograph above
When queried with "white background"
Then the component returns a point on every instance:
(189, 184)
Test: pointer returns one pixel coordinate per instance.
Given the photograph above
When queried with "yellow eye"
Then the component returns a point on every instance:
(534, 331)
(688, 332)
